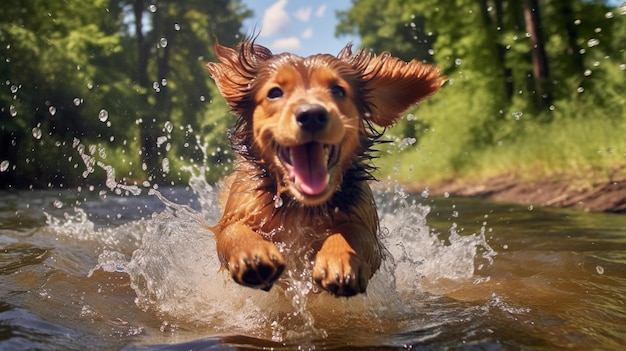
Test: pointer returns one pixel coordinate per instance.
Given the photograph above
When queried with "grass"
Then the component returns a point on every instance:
(583, 140)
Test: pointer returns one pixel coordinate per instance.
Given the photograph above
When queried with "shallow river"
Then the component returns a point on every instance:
(88, 269)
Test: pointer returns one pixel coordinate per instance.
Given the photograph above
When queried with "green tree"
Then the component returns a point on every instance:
(507, 61)
(50, 52)
(172, 44)
(110, 85)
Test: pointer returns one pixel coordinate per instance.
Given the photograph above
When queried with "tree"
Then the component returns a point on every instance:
(50, 98)
(538, 53)
(121, 84)
(168, 47)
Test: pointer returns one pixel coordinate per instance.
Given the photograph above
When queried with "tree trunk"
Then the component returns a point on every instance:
(500, 50)
(567, 13)
(147, 128)
(539, 59)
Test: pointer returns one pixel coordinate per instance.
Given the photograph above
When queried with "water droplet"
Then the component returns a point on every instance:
(163, 42)
(57, 204)
(103, 115)
(587, 72)
(77, 101)
(4, 165)
(168, 127)
(52, 110)
(165, 165)
(622, 66)
(593, 42)
(152, 8)
(37, 133)
(278, 201)
(12, 111)
(89, 86)
(457, 62)
(517, 115)
(14, 88)
(580, 89)
(176, 26)
(160, 140)
(410, 117)
(608, 14)
(600, 269)
(163, 82)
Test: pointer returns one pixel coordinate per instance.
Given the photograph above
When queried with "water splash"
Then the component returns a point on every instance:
(175, 272)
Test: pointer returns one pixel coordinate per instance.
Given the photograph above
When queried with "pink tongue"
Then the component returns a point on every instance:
(309, 168)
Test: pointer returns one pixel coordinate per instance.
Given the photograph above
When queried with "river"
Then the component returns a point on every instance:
(135, 269)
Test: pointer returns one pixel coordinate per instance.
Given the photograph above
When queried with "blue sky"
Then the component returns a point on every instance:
(301, 27)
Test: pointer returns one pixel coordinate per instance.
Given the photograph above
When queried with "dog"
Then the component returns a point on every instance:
(303, 136)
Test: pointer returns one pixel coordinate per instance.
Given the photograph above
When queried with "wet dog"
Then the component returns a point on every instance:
(303, 136)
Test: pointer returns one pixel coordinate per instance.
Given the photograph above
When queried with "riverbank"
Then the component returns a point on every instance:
(565, 191)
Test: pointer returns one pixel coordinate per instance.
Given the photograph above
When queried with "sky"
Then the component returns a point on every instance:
(301, 27)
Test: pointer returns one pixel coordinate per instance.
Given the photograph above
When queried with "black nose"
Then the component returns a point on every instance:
(311, 117)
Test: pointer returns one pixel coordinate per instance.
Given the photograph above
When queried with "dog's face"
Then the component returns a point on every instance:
(305, 117)
(306, 122)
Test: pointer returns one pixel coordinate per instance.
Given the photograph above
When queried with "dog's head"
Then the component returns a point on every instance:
(308, 120)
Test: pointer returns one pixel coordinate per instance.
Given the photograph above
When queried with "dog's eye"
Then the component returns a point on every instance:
(338, 91)
(274, 93)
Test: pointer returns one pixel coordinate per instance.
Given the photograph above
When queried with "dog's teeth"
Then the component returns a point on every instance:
(326, 153)
(290, 155)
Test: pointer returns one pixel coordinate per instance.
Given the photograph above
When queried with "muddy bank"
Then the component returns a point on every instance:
(563, 191)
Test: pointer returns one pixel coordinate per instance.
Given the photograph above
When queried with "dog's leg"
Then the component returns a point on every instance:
(347, 260)
(251, 260)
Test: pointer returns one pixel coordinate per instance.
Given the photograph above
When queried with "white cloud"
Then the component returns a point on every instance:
(275, 18)
(321, 10)
(303, 13)
(308, 33)
(290, 43)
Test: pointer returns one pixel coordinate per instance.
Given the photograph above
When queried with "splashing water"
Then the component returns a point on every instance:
(174, 271)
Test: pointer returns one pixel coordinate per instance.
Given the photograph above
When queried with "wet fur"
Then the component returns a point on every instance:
(263, 202)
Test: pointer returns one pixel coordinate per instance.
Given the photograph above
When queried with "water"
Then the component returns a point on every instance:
(95, 269)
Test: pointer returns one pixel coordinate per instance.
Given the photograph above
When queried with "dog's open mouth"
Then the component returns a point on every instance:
(309, 165)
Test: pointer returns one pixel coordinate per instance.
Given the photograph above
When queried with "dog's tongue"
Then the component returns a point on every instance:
(309, 168)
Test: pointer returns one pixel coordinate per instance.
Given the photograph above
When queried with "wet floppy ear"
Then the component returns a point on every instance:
(393, 85)
(236, 69)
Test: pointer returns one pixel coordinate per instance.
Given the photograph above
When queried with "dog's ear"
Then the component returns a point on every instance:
(236, 69)
(391, 85)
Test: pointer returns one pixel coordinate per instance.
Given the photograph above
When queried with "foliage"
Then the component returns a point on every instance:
(101, 85)
(490, 117)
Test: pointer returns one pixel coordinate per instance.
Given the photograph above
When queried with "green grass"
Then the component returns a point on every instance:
(581, 138)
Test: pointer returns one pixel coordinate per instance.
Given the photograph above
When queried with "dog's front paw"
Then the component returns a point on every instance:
(341, 273)
(257, 266)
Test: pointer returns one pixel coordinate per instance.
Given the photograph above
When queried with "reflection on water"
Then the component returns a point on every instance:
(94, 270)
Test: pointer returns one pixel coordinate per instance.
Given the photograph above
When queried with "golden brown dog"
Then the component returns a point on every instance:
(303, 135)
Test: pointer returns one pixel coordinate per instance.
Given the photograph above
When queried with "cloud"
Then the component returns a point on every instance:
(321, 10)
(290, 43)
(308, 33)
(303, 13)
(275, 18)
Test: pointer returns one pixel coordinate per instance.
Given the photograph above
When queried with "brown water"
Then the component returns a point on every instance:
(99, 270)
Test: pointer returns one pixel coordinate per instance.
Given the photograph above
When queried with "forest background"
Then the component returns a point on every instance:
(116, 92)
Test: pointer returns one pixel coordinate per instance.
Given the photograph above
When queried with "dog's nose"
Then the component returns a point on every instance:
(311, 117)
